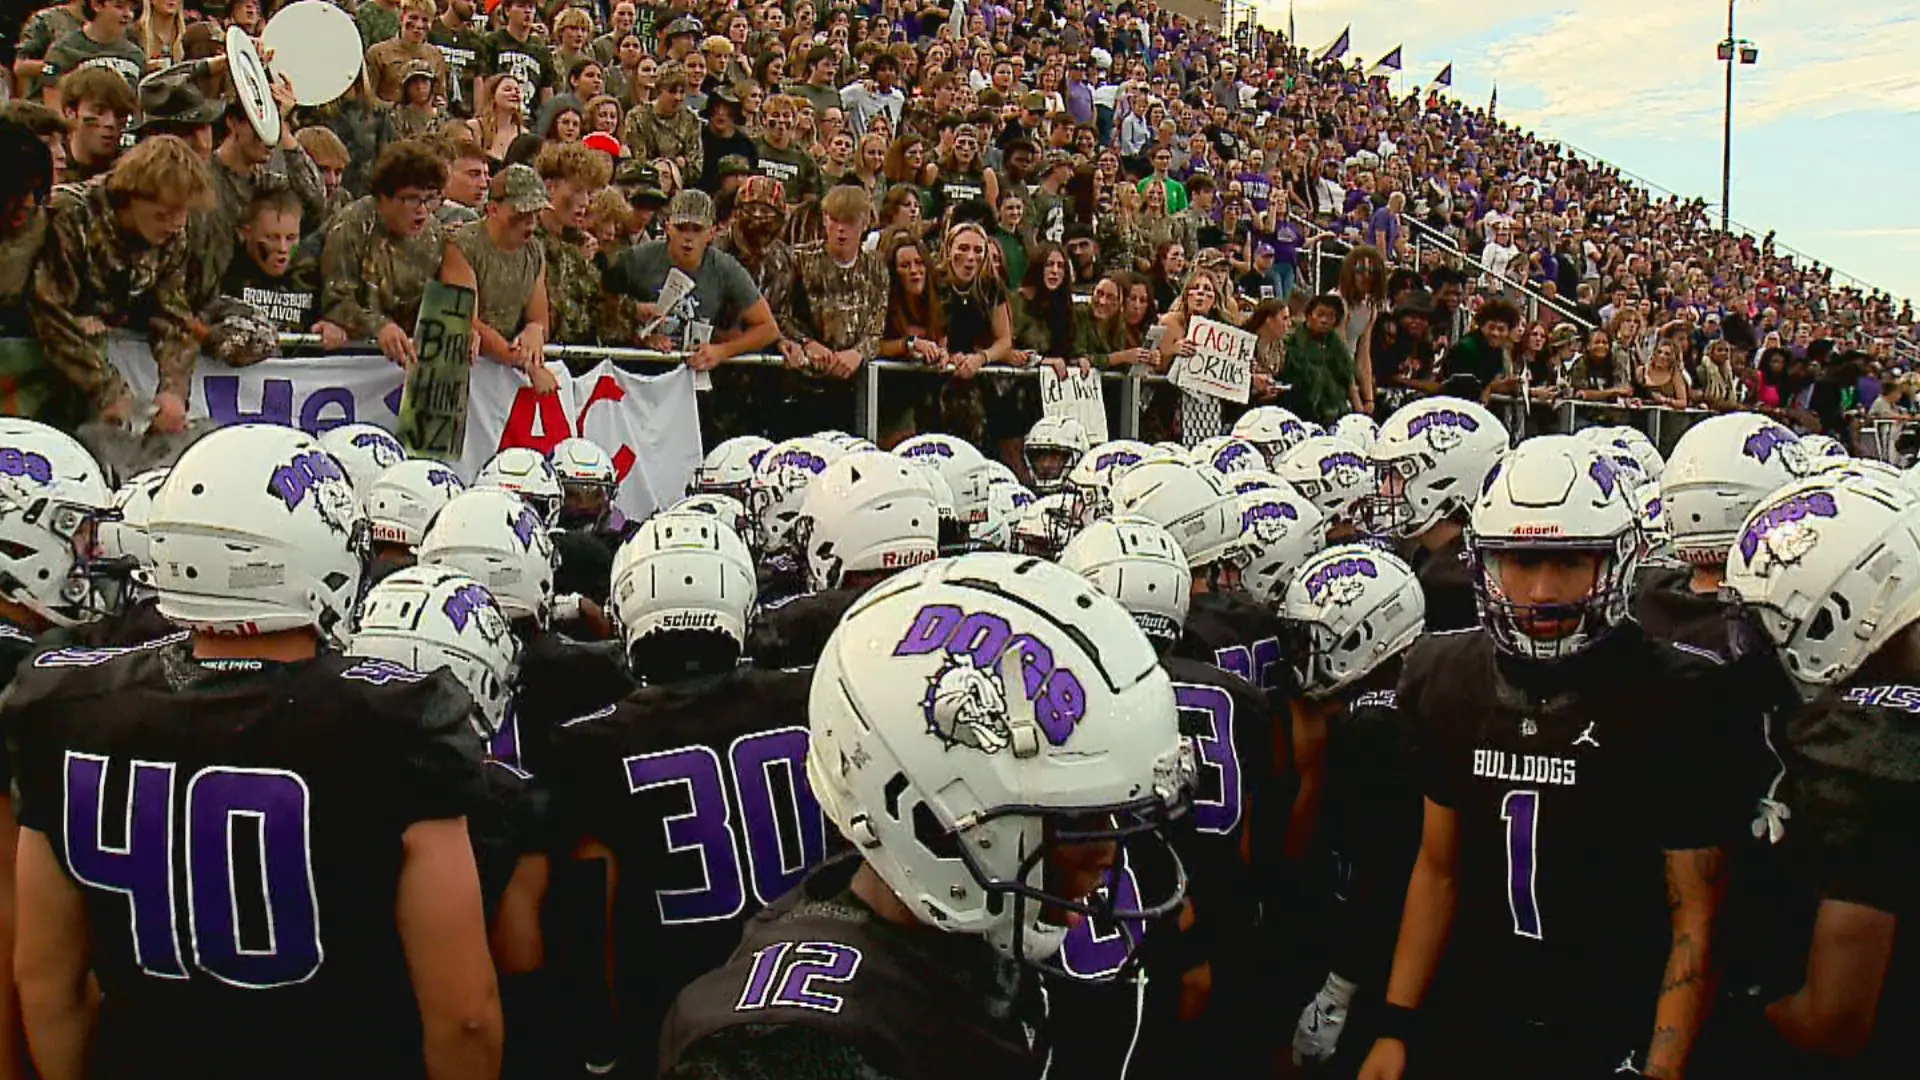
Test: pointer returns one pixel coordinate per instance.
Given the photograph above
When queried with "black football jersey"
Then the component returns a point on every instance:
(700, 791)
(560, 678)
(136, 623)
(509, 822)
(1370, 823)
(1570, 781)
(16, 642)
(1446, 580)
(793, 633)
(1666, 606)
(821, 987)
(780, 578)
(585, 558)
(237, 833)
(1236, 634)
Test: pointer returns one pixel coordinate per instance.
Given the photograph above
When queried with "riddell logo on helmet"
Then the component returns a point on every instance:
(966, 700)
(17, 462)
(387, 534)
(900, 560)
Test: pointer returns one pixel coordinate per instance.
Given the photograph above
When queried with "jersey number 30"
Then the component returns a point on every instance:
(249, 874)
(718, 812)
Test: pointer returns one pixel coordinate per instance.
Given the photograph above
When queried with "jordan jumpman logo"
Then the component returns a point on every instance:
(1587, 738)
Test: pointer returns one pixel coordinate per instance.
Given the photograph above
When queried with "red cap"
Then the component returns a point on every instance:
(604, 143)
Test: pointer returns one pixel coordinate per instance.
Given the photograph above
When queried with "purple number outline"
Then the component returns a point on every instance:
(89, 763)
(827, 961)
(1255, 663)
(1219, 816)
(1520, 809)
(696, 770)
(504, 746)
(766, 963)
(1094, 944)
(810, 823)
(274, 935)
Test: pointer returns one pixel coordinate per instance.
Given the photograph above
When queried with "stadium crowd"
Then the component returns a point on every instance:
(1388, 724)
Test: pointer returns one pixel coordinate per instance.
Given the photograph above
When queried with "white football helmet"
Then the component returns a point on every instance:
(588, 480)
(258, 530)
(1090, 480)
(124, 536)
(1633, 441)
(961, 464)
(1045, 528)
(494, 537)
(999, 473)
(1819, 446)
(1139, 565)
(682, 571)
(1720, 470)
(1271, 428)
(1826, 570)
(364, 450)
(403, 499)
(51, 491)
(1280, 530)
(1253, 480)
(728, 468)
(868, 512)
(969, 715)
(1348, 610)
(527, 473)
(1228, 454)
(780, 483)
(1054, 445)
(1006, 503)
(1192, 503)
(431, 617)
(1855, 466)
(1330, 472)
(1432, 456)
(731, 511)
(1554, 493)
(1359, 429)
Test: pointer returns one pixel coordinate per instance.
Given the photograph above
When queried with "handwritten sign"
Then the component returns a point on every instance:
(1077, 396)
(1222, 362)
(433, 406)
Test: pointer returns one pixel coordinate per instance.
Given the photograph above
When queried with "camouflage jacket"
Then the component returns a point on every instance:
(654, 136)
(371, 277)
(91, 268)
(841, 307)
(573, 288)
(772, 269)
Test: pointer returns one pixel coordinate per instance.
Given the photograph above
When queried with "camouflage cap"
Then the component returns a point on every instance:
(172, 97)
(418, 69)
(762, 189)
(733, 165)
(690, 207)
(685, 24)
(644, 179)
(520, 189)
(1055, 159)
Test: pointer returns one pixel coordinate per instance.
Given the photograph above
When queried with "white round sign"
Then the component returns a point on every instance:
(317, 47)
(251, 83)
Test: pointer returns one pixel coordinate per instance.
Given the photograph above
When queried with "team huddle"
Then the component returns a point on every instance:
(1374, 751)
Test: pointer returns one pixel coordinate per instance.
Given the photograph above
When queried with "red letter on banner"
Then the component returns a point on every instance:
(608, 388)
(520, 422)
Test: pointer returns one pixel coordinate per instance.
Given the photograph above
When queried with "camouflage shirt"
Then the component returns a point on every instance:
(772, 269)
(506, 278)
(90, 267)
(294, 169)
(47, 26)
(573, 287)
(377, 23)
(841, 307)
(372, 277)
(654, 136)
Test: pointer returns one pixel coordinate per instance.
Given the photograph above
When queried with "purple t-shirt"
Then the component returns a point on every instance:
(1383, 229)
(1257, 188)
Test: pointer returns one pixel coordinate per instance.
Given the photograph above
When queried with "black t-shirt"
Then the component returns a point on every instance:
(700, 791)
(970, 314)
(528, 62)
(465, 51)
(819, 979)
(1568, 791)
(237, 834)
(290, 302)
(793, 633)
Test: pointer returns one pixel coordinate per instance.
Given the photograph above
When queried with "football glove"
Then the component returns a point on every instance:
(1318, 1032)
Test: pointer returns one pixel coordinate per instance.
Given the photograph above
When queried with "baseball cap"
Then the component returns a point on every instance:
(644, 179)
(761, 189)
(732, 165)
(605, 143)
(1055, 159)
(690, 207)
(520, 188)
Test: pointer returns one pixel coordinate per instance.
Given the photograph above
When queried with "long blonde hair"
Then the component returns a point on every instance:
(156, 47)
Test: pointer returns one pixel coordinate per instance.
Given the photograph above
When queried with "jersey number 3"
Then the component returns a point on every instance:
(717, 813)
(249, 874)
(1521, 811)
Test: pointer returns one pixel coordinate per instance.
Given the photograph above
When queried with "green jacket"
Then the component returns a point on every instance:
(1320, 372)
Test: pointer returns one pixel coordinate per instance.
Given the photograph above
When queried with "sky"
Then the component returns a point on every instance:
(1826, 140)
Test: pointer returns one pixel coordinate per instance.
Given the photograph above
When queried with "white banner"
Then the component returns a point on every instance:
(649, 424)
(1222, 362)
(1078, 396)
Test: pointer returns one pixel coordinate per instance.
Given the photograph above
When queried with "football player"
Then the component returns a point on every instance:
(400, 502)
(869, 516)
(774, 496)
(992, 736)
(1203, 954)
(1429, 463)
(53, 503)
(1334, 475)
(1271, 428)
(728, 468)
(1561, 752)
(1054, 446)
(527, 473)
(364, 451)
(494, 537)
(1350, 613)
(126, 564)
(591, 527)
(707, 740)
(1823, 576)
(236, 830)
(968, 475)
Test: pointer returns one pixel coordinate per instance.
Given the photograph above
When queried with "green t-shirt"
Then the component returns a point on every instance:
(43, 30)
(77, 50)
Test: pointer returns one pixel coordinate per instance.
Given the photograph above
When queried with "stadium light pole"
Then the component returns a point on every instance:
(1732, 51)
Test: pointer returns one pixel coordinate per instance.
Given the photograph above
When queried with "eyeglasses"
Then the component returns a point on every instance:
(422, 201)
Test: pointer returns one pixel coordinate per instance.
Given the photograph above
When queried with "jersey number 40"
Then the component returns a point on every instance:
(743, 827)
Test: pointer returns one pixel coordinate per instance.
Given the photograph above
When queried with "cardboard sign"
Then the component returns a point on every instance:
(1079, 397)
(433, 406)
(1222, 362)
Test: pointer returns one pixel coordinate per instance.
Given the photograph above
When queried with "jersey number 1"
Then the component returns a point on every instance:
(1521, 811)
